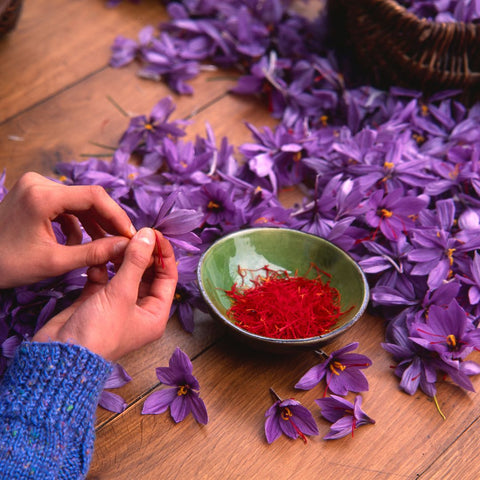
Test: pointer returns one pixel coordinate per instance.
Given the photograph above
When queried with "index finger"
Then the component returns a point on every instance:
(93, 201)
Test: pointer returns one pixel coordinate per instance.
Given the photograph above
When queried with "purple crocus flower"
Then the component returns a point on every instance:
(436, 246)
(151, 131)
(109, 400)
(176, 224)
(345, 416)
(447, 331)
(290, 418)
(182, 397)
(342, 371)
(187, 298)
(393, 213)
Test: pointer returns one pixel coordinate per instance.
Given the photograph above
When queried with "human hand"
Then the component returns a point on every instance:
(114, 317)
(29, 249)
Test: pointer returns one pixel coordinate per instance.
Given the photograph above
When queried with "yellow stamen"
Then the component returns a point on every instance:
(261, 220)
(335, 366)
(178, 297)
(450, 255)
(63, 178)
(286, 413)
(418, 138)
(148, 126)
(424, 110)
(131, 176)
(212, 205)
(451, 340)
(388, 165)
(386, 213)
(454, 173)
(297, 157)
(324, 120)
(182, 390)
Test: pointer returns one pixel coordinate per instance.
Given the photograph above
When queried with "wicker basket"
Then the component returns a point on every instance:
(9, 14)
(395, 47)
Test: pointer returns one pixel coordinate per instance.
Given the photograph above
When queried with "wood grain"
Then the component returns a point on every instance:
(408, 436)
(54, 102)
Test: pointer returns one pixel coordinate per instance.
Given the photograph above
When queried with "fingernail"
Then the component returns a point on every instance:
(145, 235)
(133, 230)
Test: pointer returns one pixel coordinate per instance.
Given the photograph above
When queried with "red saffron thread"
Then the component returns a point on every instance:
(281, 305)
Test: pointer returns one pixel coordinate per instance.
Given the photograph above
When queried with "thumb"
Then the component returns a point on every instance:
(137, 258)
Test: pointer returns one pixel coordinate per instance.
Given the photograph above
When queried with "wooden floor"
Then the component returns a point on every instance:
(55, 86)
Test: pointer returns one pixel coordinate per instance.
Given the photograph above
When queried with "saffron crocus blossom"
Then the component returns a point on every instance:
(342, 371)
(447, 331)
(151, 131)
(182, 397)
(109, 400)
(176, 224)
(345, 416)
(187, 298)
(290, 418)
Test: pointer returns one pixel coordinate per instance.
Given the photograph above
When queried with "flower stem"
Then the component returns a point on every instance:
(117, 106)
(438, 407)
(275, 395)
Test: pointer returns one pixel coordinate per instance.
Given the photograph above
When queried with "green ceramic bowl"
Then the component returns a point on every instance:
(286, 249)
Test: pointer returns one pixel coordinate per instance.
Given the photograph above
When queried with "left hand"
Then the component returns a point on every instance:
(29, 249)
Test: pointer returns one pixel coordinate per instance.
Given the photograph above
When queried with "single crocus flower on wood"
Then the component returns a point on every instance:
(183, 397)
(345, 416)
(342, 371)
(288, 417)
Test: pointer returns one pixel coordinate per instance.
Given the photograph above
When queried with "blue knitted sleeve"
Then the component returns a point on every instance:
(48, 399)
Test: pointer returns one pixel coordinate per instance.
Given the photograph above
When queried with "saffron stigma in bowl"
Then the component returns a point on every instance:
(281, 305)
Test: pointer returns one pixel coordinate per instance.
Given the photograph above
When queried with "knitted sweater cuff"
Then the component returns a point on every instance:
(53, 382)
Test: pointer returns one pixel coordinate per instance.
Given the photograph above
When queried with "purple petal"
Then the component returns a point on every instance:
(180, 408)
(112, 402)
(159, 401)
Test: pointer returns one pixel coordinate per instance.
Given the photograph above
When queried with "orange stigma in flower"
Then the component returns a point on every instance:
(63, 178)
(451, 340)
(297, 157)
(335, 366)
(386, 213)
(131, 176)
(424, 110)
(324, 120)
(212, 205)
(286, 413)
(389, 165)
(148, 126)
(182, 390)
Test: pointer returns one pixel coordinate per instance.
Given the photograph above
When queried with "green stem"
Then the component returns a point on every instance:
(438, 407)
(117, 106)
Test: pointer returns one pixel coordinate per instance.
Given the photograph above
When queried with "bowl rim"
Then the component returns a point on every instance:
(283, 341)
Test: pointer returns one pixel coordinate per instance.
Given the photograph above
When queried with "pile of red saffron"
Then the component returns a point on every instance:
(281, 305)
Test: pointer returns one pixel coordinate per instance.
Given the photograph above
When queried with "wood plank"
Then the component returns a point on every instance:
(141, 363)
(459, 460)
(63, 128)
(60, 42)
(234, 384)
